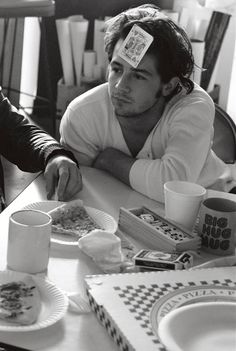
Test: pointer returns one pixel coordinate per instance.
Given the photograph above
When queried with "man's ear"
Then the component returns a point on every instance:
(169, 87)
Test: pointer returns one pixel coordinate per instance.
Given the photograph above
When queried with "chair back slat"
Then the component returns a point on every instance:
(224, 142)
(27, 8)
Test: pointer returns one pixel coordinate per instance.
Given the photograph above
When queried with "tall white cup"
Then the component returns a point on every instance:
(182, 202)
(29, 241)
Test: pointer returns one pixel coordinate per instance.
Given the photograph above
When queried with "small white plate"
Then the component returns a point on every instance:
(103, 219)
(202, 326)
(54, 303)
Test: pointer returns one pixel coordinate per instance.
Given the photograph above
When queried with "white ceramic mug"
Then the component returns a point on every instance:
(29, 241)
(182, 202)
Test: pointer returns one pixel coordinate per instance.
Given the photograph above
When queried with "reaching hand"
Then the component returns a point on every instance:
(62, 173)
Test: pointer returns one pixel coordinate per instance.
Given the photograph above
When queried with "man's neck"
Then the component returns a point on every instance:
(136, 129)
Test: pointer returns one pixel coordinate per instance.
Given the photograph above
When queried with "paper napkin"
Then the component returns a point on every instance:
(104, 248)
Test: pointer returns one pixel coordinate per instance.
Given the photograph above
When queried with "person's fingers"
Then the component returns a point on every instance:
(74, 184)
(51, 183)
(64, 176)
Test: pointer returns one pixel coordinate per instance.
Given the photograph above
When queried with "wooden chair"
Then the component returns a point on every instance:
(16, 11)
(26, 8)
(224, 142)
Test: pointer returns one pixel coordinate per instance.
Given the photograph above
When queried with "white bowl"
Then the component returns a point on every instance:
(209, 326)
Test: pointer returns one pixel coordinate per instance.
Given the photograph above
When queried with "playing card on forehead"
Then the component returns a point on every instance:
(135, 45)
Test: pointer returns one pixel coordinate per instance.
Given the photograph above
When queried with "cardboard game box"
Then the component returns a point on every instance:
(130, 305)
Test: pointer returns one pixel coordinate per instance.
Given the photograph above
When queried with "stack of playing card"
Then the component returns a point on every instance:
(156, 232)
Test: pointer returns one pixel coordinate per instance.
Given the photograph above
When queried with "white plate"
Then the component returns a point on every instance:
(54, 303)
(187, 296)
(202, 326)
(103, 219)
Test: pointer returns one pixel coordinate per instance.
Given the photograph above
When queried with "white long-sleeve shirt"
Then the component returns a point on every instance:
(178, 147)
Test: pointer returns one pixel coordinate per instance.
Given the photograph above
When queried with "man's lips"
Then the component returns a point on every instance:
(121, 98)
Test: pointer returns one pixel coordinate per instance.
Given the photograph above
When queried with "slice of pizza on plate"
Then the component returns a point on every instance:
(72, 219)
(20, 301)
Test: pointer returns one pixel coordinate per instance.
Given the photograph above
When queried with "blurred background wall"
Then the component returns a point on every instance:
(90, 9)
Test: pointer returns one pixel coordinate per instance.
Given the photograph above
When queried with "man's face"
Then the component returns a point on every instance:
(133, 90)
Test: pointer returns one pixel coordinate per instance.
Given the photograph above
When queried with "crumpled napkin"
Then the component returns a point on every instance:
(226, 261)
(104, 248)
(77, 303)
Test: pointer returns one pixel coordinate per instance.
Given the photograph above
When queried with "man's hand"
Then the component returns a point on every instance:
(115, 162)
(62, 173)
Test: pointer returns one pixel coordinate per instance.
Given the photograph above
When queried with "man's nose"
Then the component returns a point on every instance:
(123, 83)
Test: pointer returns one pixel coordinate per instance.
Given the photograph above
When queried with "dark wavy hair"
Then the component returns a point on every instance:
(171, 45)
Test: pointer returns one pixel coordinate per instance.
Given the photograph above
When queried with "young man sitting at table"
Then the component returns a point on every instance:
(150, 123)
(33, 150)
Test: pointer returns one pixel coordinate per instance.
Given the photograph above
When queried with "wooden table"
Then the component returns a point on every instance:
(68, 267)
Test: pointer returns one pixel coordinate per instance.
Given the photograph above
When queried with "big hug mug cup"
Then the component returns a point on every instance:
(217, 226)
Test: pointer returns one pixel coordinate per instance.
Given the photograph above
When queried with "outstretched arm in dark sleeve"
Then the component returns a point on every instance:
(34, 150)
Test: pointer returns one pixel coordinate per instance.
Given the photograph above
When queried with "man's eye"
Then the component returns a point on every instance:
(115, 69)
(139, 76)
